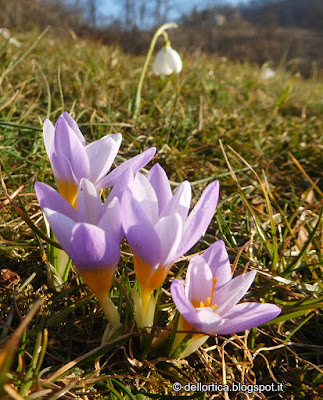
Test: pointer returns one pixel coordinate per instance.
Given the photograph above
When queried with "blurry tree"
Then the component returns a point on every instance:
(92, 12)
(143, 14)
(130, 15)
(26, 14)
(161, 11)
(217, 15)
(297, 13)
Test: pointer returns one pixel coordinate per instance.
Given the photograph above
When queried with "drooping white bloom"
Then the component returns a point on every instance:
(267, 73)
(4, 32)
(167, 61)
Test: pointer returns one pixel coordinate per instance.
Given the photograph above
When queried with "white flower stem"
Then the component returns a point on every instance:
(137, 99)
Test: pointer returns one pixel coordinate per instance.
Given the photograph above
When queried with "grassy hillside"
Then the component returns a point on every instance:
(262, 139)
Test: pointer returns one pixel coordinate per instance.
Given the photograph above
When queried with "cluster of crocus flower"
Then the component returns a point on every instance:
(158, 225)
(88, 231)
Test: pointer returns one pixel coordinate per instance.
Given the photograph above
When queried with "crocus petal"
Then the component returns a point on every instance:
(101, 154)
(73, 125)
(217, 258)
(228, 295)
(110, 221)
(246, 316)
(91, 250)
(144, 193)
(62, 227)
(180, 202)
(51, 199)
(89, 203)
(200, 217)
(199, 281)
(135, 164)
(48, 135)
(208, 320)
(182, 303)
(159, 181)
(70, 155)
(125, 181)
(139, 231)
(169, 231)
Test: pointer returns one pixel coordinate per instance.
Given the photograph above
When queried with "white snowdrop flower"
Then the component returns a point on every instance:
(5, 33)
(268, 73)
(167, 61)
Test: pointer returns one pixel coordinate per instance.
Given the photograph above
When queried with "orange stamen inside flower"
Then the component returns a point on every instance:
(209, 301)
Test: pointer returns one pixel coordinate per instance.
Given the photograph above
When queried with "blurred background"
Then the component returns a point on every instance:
(285, 33)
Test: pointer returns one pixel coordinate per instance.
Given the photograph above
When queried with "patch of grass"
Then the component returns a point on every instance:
(263, 141)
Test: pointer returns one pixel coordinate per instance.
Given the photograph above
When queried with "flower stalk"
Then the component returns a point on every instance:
(160, 31)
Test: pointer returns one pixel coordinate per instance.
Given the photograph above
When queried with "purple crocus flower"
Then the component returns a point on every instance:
(157, 225)
(72, 159)
(90, 235)
(208, 299)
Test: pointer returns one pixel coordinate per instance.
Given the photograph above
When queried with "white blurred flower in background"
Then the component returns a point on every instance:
(5, 33)
(267, 73)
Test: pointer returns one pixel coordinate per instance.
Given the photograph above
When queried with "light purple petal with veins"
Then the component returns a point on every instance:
(135, 163)
(200, 217)
(51, 199)
(228, 295)
(110, 221)
(73, 125)
(182, 303)
(125, 181)
(217, 258)
(199, 280)
(48, 135)
(180, 202)
(69, 154)
(89, 203)
(61, 168)
(159, 181)
(246, 316)
(209, 320)
(62, 227)
(101, 155)
(144, 193)
(139, 231)
(169, 231)
(90, 248)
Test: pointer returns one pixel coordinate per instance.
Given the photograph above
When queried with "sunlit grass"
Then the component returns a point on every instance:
(262, 139)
